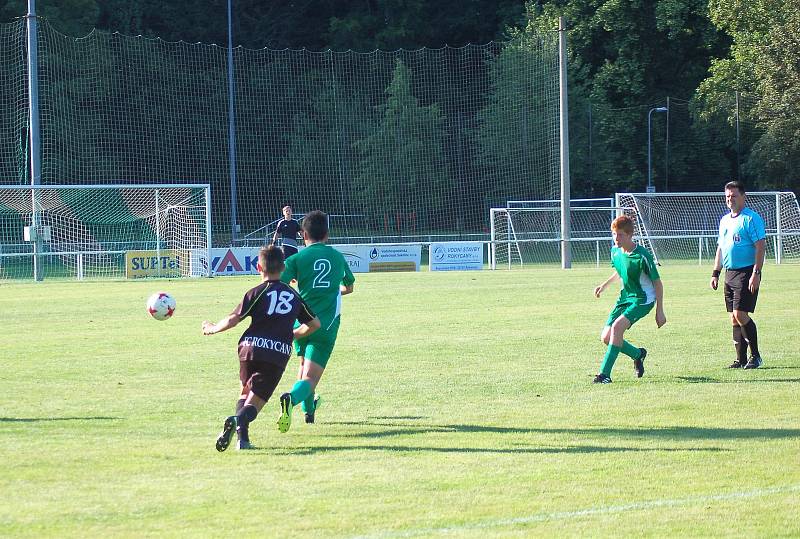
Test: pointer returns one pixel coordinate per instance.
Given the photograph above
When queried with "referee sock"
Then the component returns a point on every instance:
(630, 350)
(300, 392)
(750, 335)
(608, 361)
(740, 345)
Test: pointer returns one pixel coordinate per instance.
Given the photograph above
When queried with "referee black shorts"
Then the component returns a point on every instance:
(737, 290)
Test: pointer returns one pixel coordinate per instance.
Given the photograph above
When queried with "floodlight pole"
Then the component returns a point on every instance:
(650, 187)
(231, 126)
(566, 246)
(34, 137)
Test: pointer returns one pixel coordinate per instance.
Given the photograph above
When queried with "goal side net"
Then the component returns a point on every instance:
(532, 234)
(685, 226)
(91, 230)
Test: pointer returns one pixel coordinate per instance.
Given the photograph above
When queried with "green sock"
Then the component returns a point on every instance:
(301, 391)
(630, 350)
(608, 361)
(308, 404)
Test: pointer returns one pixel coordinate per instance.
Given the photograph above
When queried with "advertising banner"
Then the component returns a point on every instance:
(234, 261)
(166, 263)
(370, 258)
(456, 256)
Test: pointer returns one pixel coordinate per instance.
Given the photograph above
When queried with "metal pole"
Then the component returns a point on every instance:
(566, 249)
(209, 259)
(34, 140)
(666, 153)
(231, 127)
(738, 156)
(649, 156)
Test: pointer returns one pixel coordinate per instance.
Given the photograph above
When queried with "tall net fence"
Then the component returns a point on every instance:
(394, 145)
(13, 104)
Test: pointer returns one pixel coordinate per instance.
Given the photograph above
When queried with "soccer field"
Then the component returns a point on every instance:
(456, 404)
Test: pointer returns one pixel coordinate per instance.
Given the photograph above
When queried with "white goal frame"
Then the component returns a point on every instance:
(781, 220)
(33, 240)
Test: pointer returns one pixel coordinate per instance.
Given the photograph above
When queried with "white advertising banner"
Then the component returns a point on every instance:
(457, 256)
(234, 261)
(371, 258)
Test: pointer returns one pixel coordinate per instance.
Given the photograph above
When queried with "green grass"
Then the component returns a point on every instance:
(456, 404)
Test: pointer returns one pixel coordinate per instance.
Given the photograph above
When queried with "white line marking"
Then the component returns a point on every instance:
(569, 515)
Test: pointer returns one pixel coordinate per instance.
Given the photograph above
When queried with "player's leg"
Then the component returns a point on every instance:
(606, 336)
(633, 314)
(614, 345)
(747, 305)
(230, 424)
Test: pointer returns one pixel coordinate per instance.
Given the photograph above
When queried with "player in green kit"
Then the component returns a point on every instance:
(641, 290)
(323, 277)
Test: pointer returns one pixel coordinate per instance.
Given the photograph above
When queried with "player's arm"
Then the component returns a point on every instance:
(346, 287)
(661, 318)
(226, 323)
(309, 323)
(718, 268)
(307, 328)
(599, 289)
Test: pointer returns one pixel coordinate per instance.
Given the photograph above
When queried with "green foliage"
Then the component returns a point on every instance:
(402, 165)
(764, 66)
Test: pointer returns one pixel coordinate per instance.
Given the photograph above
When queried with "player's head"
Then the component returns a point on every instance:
(315, 225)
(287, 211)
(734, 195)
(270, 260)
(622, 230)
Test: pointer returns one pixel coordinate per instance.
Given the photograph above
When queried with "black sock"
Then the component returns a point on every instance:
(740, 345)
(241, 431)
(245, 416)
(750, 334)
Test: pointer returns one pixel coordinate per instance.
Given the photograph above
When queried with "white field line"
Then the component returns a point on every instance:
(570, 515)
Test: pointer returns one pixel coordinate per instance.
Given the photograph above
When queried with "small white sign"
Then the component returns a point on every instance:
(371, 258)
(456, 256)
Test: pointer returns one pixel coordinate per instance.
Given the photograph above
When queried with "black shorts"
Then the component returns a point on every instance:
(261, 377)
(288, 250)
(737, 290)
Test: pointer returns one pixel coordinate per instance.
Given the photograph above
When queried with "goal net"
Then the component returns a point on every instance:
(530, 233)
(104, 231)
(684, 226)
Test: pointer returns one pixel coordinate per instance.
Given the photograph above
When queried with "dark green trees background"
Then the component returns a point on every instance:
(728, 70)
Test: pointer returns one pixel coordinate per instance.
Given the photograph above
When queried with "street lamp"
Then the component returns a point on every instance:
(650, 187)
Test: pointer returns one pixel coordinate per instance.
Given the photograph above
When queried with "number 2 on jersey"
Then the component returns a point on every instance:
(322, 269)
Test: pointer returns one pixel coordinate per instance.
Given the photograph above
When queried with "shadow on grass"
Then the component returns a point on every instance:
(37, 419)
(575, 449)
(656, 433)
(709, 380)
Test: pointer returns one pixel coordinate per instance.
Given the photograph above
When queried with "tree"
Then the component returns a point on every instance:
(763, 65)
(402, 175)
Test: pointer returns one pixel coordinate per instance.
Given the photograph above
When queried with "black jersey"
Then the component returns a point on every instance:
(288, 231)
(273, 308)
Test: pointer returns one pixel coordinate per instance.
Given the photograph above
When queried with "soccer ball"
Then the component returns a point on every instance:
(161, 305)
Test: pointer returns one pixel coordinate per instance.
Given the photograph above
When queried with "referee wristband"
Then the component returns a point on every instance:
(757, 272)
(715, 273)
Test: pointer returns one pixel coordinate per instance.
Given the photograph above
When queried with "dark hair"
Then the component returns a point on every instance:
(315, 224)
(736, 184)
(271, 259)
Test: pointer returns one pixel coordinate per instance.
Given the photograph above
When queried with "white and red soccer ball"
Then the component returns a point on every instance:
(161, 305)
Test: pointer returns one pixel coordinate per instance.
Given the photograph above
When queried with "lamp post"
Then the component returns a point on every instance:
(650, 187)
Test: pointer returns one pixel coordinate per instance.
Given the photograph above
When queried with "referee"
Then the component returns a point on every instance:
(740, 250)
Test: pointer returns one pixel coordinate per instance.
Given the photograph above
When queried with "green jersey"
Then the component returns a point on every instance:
(637, 270)
(319, 270)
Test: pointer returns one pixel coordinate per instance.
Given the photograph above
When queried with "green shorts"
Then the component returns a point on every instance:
(632, 311)
(318, 346)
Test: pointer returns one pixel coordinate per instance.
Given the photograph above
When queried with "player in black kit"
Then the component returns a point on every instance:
(265, 346)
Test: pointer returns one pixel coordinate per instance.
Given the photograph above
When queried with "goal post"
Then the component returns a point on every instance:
(685, 226)
(87, 231)
(530, 232)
